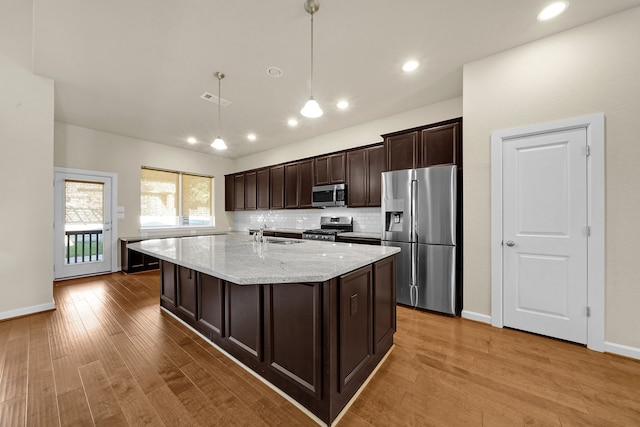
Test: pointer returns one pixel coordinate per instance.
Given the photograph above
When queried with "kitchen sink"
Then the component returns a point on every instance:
(284, 241)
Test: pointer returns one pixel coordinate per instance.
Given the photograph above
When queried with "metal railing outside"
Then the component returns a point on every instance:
(83, 246)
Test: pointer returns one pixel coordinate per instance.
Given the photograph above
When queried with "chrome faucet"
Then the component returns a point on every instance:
(259, 236)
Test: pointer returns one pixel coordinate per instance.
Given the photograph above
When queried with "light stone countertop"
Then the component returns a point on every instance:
(238, 259)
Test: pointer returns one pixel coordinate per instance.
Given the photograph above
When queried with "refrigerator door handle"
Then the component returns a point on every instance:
(413, 219)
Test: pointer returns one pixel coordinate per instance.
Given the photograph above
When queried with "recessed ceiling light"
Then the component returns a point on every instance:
(252, 137)
(191, 140)
(553, 10)
(409, 66)
(292, 122)
(342, 104)
(274, 72)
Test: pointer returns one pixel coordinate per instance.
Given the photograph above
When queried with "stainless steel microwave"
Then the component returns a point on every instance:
(324, 196)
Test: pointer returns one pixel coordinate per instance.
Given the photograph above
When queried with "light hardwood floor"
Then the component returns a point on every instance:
(108, 356)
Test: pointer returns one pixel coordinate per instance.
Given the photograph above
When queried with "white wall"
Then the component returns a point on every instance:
(355, 136)
(81, 148)
(26, 190)
(592, 68)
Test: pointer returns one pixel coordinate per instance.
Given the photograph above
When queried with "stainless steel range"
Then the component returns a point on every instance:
(330, 226)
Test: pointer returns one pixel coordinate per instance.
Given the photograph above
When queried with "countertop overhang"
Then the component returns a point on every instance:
(238, 259)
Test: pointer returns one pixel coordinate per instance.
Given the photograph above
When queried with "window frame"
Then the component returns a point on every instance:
(178, 224)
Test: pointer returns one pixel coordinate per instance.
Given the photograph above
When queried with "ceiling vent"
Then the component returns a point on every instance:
(214, 99)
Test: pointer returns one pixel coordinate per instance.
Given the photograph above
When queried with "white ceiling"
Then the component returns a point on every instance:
(138, 67)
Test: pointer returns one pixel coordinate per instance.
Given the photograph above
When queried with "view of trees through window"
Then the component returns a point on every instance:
(175, 199)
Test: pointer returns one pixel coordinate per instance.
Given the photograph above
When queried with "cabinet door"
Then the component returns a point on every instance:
(168, 284)
(356, 178)
(322, 171)
(210, 305)
(384, 303)
(402, 151)
(337, 169)
(263, 189)
(355, 324)
(229, 193)
(250, 190)
(239, 191)
(291, 185)
(186, 291)
(305, 183)
(438, 146)
(375, 166)
(277, 187)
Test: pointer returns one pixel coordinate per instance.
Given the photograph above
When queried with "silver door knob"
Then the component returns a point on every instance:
(511, 243)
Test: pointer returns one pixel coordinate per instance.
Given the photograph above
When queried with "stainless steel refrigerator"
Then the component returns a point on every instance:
(419, 217)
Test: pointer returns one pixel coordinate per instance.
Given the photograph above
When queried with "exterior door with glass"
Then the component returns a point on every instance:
(82, 225)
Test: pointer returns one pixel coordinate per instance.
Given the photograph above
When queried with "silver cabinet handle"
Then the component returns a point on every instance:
(511, 243)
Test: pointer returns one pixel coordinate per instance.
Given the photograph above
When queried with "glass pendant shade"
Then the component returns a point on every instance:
(219, 144)
(311, 109)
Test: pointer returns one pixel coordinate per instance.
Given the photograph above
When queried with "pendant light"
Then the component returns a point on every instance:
(218, 143)
(311, 109)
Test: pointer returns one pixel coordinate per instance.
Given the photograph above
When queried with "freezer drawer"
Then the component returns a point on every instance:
(403, 271)
(436, 279)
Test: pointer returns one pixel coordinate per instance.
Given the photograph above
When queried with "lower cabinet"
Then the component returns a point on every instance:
(318, 342)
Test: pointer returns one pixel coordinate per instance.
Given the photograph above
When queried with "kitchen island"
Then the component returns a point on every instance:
(312, 318)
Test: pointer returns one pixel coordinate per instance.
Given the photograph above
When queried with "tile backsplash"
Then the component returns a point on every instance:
(365, 220)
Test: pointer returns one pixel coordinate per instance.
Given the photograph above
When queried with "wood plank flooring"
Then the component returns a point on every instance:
(107, 356)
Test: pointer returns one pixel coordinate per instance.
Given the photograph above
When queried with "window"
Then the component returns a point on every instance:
(175, 199)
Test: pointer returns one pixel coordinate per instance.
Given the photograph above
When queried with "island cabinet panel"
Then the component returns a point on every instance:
(384, 307)
(210, 306)
(276, 185)
(250, 190)
(243, 323)
(263, 176)
(355, 327)
(293, 335)
(168, 284)
(186, 292)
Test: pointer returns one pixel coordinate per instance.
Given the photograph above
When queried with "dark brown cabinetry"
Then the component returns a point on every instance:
(134, 261)
(436, 144)
(277, 187)
(329, 169)
(229, 193)
(318, 342)
(263, 178)
(238, 183)
(364, 169)
(298, 183)
(358, 240)
(250, 190)
(402, 151)
(186, 292)
(439, 145)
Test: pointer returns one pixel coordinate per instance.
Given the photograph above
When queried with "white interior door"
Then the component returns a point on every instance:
(545, 234)
(82, 225)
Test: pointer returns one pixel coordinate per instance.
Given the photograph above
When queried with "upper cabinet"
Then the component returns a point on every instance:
(298, 183)
(364, 169)
(263, 183)
(276, 176)
(437, 144)
(289, 185)
(329, 169)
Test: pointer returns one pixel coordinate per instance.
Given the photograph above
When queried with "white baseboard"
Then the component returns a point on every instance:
(622, 350)
(27, 310)
(483, 318)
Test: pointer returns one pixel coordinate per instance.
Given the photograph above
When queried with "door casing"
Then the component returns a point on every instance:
(594, 125)
(114, 197)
